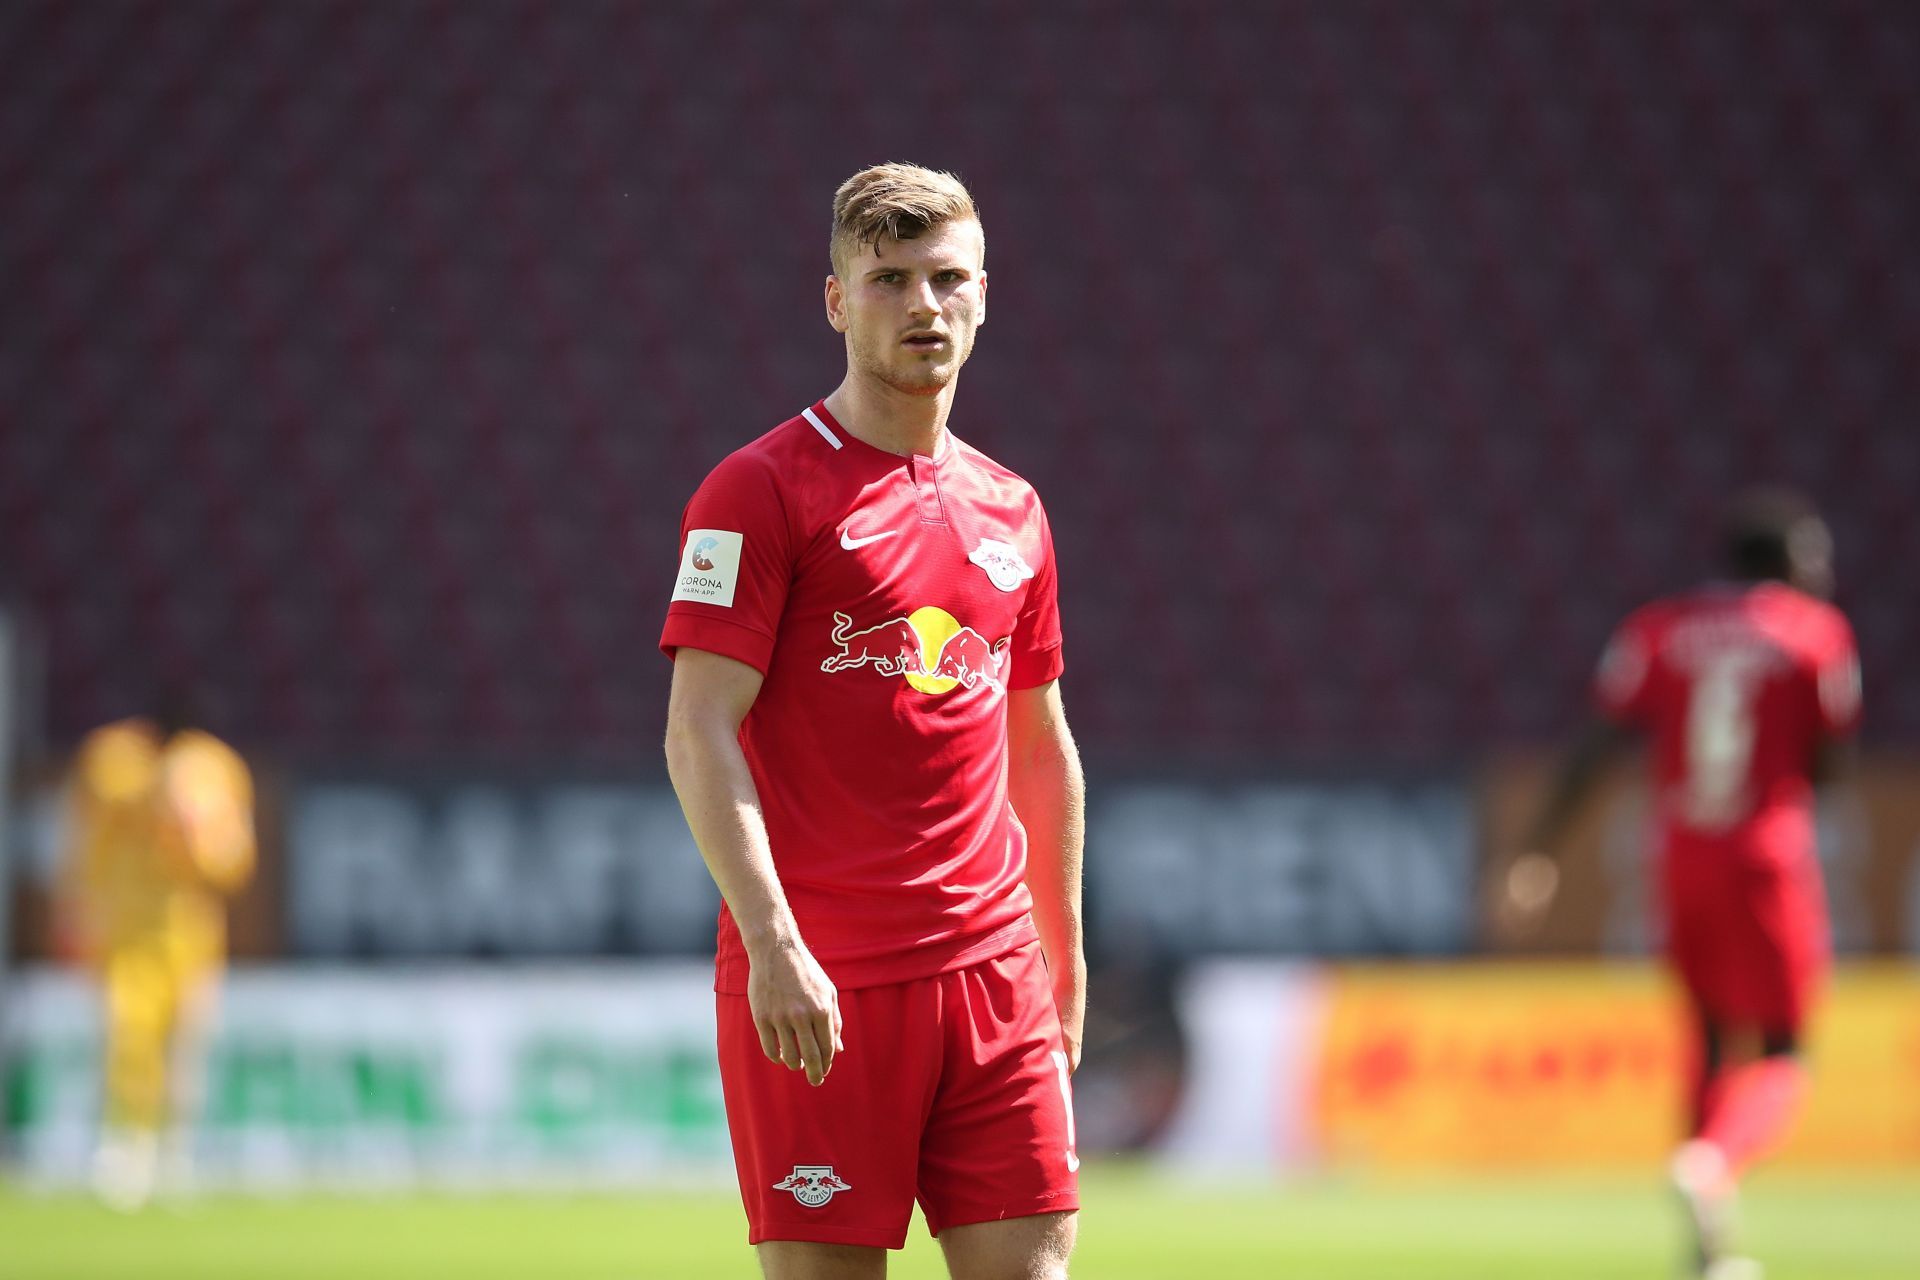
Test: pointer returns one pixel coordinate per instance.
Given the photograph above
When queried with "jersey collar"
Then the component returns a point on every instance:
(840, 438)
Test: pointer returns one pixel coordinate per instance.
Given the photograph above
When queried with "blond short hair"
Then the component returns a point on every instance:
(894, 201)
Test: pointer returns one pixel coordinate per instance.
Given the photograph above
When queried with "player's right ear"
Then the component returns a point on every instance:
(836, 305)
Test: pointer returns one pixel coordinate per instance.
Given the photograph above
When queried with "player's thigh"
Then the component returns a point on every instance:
(833, 1164)
(141, 995)
(1030, 1248)
(1711, 941)
(197, 957)
(999, 1143)
(196, 1002)
(798, 1260)
(1781, 948)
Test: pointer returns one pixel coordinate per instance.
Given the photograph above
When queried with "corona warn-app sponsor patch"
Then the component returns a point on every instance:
(709, 567)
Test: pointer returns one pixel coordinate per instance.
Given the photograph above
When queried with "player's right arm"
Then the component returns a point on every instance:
(1599, 746)
(1622, 688)
(111, 770)
(76, 932)
(794, 1004)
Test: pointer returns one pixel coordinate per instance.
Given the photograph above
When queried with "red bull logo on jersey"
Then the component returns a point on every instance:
(812, 1184)
(929, 647)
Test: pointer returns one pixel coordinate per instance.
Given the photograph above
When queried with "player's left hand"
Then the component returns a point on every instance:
(73, 940)
(1070, 999)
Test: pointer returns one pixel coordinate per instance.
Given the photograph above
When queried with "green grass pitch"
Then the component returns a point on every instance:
(1136, 1226)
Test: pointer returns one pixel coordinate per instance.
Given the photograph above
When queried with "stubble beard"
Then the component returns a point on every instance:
(910, 378)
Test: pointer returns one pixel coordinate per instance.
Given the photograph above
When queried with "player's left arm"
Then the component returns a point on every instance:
(232, 848)
(210, 790)
(1835, 688)
(1048, 790)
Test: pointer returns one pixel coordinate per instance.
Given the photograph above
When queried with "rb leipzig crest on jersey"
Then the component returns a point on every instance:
(812, 1184)
(1005, 569)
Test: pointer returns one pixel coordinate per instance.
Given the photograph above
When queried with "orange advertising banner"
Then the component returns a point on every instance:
(1502, 1066)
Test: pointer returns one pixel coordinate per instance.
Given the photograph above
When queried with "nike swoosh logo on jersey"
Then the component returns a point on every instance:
(850, 543)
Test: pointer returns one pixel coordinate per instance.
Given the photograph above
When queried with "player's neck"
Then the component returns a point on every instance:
(891, 420)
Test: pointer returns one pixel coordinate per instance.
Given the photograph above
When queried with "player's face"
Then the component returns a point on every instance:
(909, 308)
(1810, 558)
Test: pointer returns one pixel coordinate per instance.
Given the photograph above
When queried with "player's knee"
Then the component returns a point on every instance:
(1065, 1234)
(798, 1260)
(1049, 1250)
(1046, 1266)
(1048, 1260)
(1031, 1248)
(1051, 1265)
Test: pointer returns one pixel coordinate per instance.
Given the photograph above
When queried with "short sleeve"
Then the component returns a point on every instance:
(736, 564)
(1623, 684)
(1837, 683)
(1036, 632)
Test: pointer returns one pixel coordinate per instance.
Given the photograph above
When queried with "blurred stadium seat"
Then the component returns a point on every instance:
(1372, 358)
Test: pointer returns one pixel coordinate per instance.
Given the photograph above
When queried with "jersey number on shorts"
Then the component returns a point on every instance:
(1720, 727)
(1066, 1096)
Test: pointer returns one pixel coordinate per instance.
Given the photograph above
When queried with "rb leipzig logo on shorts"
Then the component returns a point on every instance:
(812, 1184)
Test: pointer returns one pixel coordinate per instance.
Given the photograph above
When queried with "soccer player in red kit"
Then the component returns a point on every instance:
(866, 735)
(1745, 689)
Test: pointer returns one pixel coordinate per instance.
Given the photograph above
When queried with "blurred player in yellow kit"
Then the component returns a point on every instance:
(161, 833)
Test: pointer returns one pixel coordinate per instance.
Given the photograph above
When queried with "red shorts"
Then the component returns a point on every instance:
(952, 1090)
(1748, 935)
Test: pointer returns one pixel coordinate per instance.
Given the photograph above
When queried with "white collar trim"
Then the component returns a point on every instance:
(826, 433)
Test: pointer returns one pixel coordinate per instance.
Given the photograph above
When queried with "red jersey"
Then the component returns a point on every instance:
(890, 603)
(1737, 686)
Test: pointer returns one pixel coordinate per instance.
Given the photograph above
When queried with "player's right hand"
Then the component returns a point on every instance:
(1530, 886)
(796, 1010)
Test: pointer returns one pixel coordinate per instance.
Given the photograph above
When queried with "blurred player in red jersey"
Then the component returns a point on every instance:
(1746, 690)
(867, 737)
